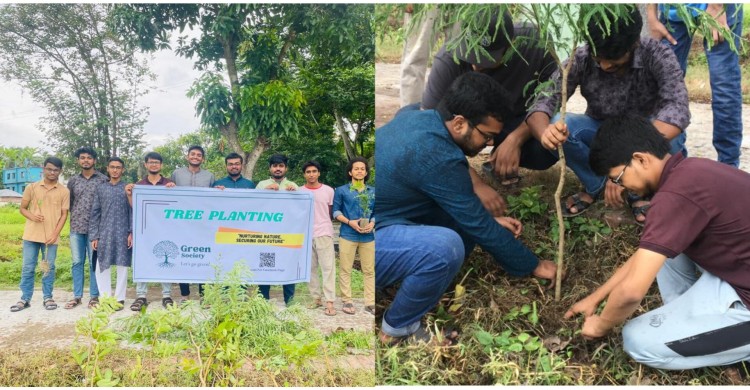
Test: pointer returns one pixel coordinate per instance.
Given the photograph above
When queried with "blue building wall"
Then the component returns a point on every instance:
(17, 179)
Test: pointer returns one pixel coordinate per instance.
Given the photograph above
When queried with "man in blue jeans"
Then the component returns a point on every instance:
(723, 68)
(620, 73)
(428, 224)
(82, 187)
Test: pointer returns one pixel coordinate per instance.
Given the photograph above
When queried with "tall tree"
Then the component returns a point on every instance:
(260, 48)
(85, 77)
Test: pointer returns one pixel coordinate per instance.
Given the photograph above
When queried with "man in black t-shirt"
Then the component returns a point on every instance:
(519, 73)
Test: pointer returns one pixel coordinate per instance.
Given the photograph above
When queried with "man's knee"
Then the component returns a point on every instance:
(642, 348)
(449, 251)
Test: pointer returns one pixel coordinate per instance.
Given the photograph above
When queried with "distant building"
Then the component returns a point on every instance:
(16, 179)
(8, 196)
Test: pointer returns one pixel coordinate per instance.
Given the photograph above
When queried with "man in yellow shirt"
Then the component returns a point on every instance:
(45, 205)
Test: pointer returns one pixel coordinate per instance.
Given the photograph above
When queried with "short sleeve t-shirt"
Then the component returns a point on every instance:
(323, 199)
(702, 209)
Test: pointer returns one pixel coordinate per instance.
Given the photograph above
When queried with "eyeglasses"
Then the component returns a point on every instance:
(618, 179)
(487, 137)
(116, 168)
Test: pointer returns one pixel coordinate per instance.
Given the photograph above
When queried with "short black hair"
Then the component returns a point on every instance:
(232, 156)
(116, 159)
(622, 35)
(278, 159)
(85, 150)
(621, 136)
(152, 156)
(351, 165)
(475, 96)
(197, 147)
(54, 161)
(311, 163)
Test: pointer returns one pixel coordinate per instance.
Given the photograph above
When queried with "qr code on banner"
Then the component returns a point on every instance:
(268, 260)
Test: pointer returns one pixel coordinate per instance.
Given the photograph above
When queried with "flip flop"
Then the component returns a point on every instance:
(639, 210)
(580, 205)
(329, 310)
(348, 308)
(73, 303)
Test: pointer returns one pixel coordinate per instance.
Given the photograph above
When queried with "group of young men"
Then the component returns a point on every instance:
(631, 137)
(101, 226)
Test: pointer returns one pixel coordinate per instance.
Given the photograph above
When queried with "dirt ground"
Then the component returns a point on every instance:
(699, 133)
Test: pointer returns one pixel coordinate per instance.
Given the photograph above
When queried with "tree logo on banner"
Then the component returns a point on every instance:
(165, 250)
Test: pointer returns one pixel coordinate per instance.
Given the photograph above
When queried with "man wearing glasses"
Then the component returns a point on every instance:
(619, 74)
(426, 227)
(234, 177)
(45, 206)
(152, 163)
(695, 244)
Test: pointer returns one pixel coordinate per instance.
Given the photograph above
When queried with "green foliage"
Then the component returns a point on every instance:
(270, 109)
(527, 203)
(581, 230)
(89, 355)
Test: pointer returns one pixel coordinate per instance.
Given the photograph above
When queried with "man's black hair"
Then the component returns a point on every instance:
(277, 159)
(117, 159)
(54, 161)
(233, 156)
(351, 165)
(621, 136)
(623, 34)
(197, 147)
(311, 163)
(475, 96)
(85, 150)
(152, 156)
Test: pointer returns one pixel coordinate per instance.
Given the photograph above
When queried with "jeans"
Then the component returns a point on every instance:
(425, 260)
(142, 287)
(31, 252)
(582, 130)
(265, 290)
(726, 91)
(185, 289)
(80, 250)
(703, 322)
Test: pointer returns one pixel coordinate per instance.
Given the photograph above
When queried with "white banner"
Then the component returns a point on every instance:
(180, 234)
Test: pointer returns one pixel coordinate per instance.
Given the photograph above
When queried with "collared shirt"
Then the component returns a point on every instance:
(346, 203)
(81, 197)
(282, 184)
(162, 181)
(50, 201)
(323, 200)
(185, 178)
(229, 182)
(405, 198)
(653, 87)
(701, 209)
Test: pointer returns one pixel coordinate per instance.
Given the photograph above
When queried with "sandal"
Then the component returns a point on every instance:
(49, 304)
(20, 306)
(348, 308)
(93, 302)
(370, 309)
(167, 302)
(73, 303)
(120, 306)
(138, 304)
(639, 210)
(579, 204)
(329, 310)
(316, 304)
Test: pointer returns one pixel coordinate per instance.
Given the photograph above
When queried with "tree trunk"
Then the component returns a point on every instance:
(341, 127)
(260, 146)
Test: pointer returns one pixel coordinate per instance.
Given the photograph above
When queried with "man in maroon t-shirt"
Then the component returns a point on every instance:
(696, 244)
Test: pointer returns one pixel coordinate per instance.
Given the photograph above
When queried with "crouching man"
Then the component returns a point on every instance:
(695, 244)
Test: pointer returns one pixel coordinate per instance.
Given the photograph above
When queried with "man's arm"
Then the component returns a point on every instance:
(491, 200)
(444, 70)
(507, 157)
(58, 228)
(625, 291)
(656, 27)
(671, 114)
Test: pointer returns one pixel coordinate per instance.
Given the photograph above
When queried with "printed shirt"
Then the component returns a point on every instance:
(81, 198)
(323, 199)
(241, 182)
(653, 87)
(162, 181)
(50, 201)
(346, 203)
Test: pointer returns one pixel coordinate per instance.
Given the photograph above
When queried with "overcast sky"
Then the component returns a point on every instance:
(171, 113)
